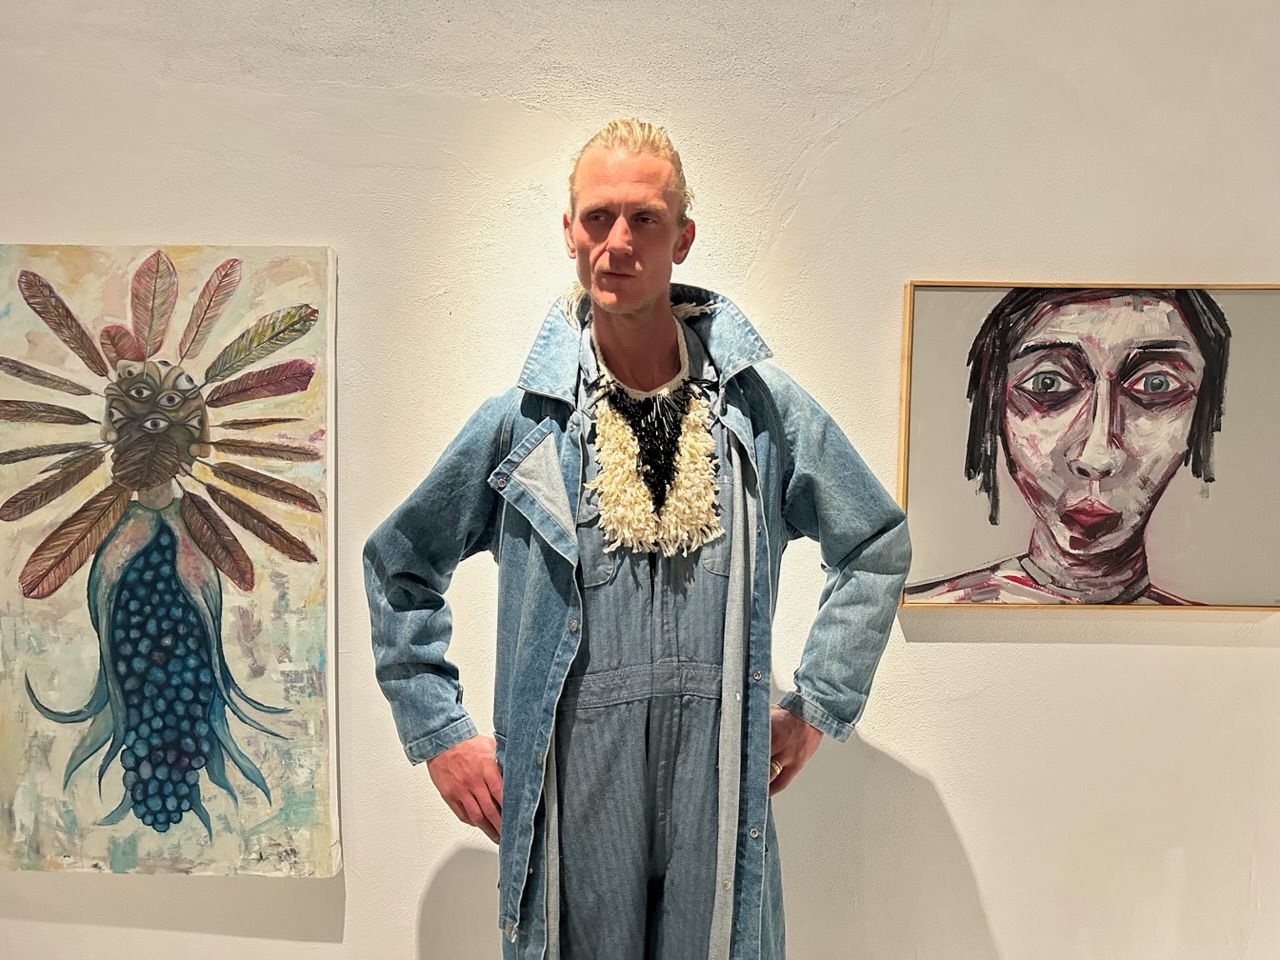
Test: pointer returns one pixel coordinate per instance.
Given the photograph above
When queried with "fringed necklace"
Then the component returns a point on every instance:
(657, 476)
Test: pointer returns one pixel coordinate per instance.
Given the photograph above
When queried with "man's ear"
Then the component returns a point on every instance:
(566, 223)
(684, 242)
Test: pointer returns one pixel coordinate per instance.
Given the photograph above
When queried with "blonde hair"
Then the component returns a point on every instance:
(643, 137)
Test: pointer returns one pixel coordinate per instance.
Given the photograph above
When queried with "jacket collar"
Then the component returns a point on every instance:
(731, 342)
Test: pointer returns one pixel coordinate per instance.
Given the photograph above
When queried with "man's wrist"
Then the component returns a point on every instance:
(816, 716)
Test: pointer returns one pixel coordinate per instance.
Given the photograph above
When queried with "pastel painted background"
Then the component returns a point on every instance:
(275, 636)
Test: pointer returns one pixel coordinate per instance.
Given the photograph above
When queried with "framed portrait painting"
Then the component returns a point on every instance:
(1086, 445)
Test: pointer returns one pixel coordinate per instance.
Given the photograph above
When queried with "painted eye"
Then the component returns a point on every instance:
(1154, 384)
(155, 424)
(184, 382)
(170, 400)
(140, 391)
(115, 415)
(1046, 381)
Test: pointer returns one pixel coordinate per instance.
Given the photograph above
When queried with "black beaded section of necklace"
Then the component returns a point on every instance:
(656, 423)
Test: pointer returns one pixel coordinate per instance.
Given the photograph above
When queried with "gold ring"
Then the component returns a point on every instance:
(775, 766)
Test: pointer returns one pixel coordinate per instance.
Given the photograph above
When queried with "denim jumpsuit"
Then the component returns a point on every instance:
(637, 729)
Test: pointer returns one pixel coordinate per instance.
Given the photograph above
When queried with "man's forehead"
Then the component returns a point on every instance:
(614, 173)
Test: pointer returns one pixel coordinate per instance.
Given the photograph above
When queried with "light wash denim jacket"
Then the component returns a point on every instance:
(509, 483)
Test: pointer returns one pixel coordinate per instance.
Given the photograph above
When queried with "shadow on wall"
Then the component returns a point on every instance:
(268, 908)
(458, 917)
(872, 865)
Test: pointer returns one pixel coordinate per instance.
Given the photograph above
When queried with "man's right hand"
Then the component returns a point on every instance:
(468, 778)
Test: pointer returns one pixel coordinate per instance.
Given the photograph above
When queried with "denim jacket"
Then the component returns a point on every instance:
(509, 483)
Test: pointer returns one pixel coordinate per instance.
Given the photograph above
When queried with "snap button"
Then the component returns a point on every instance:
(573, 626)
(502, 482)
(754, 833)
(725, 884)
(756, 675)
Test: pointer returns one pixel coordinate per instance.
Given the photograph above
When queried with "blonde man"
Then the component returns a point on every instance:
(637, 488)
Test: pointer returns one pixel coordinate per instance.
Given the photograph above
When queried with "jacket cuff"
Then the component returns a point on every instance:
(811, 713)
(424, 748)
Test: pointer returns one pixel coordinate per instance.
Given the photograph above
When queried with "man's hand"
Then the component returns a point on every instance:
(791, 743)
(470, 782)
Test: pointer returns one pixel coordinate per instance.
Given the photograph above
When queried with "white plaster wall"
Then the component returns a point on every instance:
(1026, 787)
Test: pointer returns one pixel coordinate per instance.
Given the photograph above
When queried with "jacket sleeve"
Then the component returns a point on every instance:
(408, 563)
(830, 496)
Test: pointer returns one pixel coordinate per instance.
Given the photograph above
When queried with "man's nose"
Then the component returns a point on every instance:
(1101, 455)
(619, 236)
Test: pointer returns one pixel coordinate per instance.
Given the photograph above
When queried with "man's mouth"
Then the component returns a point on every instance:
(1090, 519)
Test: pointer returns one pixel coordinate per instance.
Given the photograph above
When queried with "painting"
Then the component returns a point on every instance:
(1108, 444)
(166, 668)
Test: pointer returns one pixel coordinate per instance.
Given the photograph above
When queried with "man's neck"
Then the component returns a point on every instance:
(640, 349)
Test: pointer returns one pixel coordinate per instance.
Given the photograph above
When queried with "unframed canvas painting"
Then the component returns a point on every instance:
(166, 668)
(1092, 445)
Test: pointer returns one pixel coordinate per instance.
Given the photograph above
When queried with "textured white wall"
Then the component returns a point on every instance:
(1093, 787)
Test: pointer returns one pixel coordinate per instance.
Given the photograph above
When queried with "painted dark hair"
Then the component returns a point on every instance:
(1008, 322)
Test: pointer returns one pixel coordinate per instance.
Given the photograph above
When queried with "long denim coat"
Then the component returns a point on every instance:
(509, 483)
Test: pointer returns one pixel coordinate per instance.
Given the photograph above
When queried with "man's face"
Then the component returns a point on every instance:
(625, 232)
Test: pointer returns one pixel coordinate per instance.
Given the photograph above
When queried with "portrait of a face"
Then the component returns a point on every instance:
(1084, 405)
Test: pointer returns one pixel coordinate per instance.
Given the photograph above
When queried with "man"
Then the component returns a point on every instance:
(637, 488)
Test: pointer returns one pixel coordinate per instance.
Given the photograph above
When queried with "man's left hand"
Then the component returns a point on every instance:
(791, 743)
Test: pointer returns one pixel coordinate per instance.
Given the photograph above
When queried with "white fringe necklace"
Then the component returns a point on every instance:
(657, 465)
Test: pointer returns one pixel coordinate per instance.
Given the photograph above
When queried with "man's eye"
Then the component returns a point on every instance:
(1046, 381)
(1154, 384)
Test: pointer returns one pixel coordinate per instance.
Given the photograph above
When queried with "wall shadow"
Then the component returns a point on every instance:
(872, 865)
(458, 916)
(272, 908)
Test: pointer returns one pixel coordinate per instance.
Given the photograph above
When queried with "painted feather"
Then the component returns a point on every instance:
(31, 411)
(291, 376)
(267, 335)
(215, 538)
(50, 308)
(274, 451)
(46, 450)
(261, 526)
(217, 291)
(152, 295)
(254, 423)
(50, 488)
(265, 485)
(119, 343)
(41, 378)
(66, 549)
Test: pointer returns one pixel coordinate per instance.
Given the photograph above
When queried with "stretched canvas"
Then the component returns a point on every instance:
(1090, 445)
(166, 667)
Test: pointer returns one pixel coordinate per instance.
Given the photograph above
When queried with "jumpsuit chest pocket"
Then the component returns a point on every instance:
(597, 565)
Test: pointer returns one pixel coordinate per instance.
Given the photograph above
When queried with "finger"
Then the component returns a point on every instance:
(491, 815)
(780, 782)
(474, 816)
(493, 777)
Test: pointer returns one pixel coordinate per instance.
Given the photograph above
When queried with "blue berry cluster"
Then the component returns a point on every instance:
(161, 658)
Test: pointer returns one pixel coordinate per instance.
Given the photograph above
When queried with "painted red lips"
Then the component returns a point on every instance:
(1090, 519)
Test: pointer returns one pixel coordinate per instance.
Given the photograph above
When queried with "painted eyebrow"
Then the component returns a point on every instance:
(1161, 345)
(1031, 348)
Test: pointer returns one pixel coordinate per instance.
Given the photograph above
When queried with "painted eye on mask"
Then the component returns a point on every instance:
(170, 400)
(140, 391)
(184, 381)
(155, 424)
(116, 415)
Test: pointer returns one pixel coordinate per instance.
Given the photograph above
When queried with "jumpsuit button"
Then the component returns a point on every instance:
(537, 758)
(754, 833)
(724, 884)
(573, 626)
(502, 482)
(756, 675)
